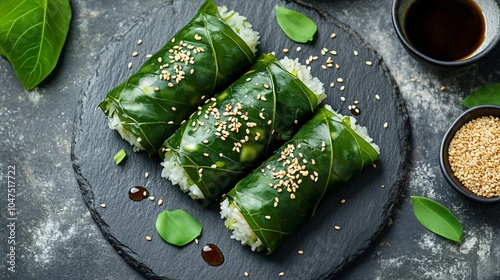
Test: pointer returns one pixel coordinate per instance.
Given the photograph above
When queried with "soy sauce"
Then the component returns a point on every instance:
(138, 193)
(447, 30)
(212, 255)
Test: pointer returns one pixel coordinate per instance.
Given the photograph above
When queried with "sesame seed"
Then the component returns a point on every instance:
(333, 52)
(342, 200)
(160, 202)
(386, 125)
(146, 174)
(300, 252)
(285, 50)
(268, 217)
(337, 227)
(474, 156)
(148, 238)
(342, 88)
(246, 273)
(377, 97)
(333, 35)
(149, 55)
(342, 98)
(139, 42)
(156, 89)
(340, 80)
(170, 122)
(355, 52)
(332, 84)
(174, 109)
(205, 141)
(369, 63)
(134, 54)
(129, 65)
(152, 198)
(103, 205)
(213, 166)
(281, 274)
(323, 67)
(443, 88)
(159, 59)
(298, 49)
(292, 196)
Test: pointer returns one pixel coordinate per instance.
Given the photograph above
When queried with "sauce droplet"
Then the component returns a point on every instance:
(138, 193)
(212, 255)
(355, 110)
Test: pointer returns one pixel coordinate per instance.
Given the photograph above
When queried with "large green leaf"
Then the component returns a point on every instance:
(32, 34)
(437, 218)
(489, 94)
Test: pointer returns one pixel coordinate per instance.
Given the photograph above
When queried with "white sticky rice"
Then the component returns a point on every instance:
(360, 130)
(304, 74)
(115, 123)
(241, 26)
(241, 230)
(238, 23)
(173, 170)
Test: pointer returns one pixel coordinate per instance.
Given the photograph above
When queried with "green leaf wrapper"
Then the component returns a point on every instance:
(283, 193)
(217, 56)
(232, 132)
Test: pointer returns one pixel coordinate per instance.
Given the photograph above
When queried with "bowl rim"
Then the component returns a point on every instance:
(428, 59)
(468, 115)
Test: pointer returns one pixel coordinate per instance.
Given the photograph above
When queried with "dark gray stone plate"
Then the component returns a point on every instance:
(370, 198)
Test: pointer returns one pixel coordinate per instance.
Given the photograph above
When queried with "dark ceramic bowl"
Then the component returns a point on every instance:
(473, 113)
(491, 11)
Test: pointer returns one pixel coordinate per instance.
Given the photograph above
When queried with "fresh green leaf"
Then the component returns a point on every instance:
(489, 94)
(296, 26)
(177, 227)
(119, 156)
(437, 218)
(32, 34)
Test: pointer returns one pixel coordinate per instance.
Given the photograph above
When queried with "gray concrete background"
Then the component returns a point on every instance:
(57, 239)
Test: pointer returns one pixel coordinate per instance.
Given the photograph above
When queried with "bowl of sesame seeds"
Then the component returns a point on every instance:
(470, 154)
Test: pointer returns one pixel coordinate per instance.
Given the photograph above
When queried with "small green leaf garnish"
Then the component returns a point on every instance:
(177, 227)
(296, 26)
(437, 218)
(120, 156)
(32, 35)
(489, 94)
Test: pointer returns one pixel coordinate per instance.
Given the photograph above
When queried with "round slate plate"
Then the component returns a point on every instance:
(126, 223)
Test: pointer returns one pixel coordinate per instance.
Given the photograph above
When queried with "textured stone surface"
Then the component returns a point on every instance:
(126, 223)
(58, 239)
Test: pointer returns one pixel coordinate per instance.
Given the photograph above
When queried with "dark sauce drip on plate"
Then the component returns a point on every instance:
(447, 30)
(138, 193)
(212, 255)
(355, 110)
